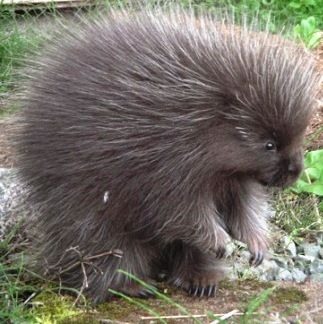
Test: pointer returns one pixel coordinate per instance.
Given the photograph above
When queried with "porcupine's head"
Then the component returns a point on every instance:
(268, 92)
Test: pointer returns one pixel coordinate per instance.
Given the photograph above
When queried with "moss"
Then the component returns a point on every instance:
(117, 309)
(244, 285)
(283, 299)
(291, 295)
(54, 308)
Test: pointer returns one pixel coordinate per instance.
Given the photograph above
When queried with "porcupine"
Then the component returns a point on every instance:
(155, 135)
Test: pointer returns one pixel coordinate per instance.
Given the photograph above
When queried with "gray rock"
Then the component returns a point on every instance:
(290, 246)
(11, 195)
(316, 266)
(316, 278)
(284, 275)
(298, 264)
(230, 247)
(245, 256)
(319, 238)
(298, 275)
(306, 258)
(311, 250)
(282, 261)
(268, 270)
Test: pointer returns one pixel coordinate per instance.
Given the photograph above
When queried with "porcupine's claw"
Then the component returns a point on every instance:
(211, 290)
(196, 290)
(146, 293)
(256, 258)
(149, 292)
(203, 291)
(219, 252)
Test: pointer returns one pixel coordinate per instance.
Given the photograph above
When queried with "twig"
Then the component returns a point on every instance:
(106, 321)
(116, 252)
(29, 298)
(227, 315)
(62, 257)
(222, 316)
(84, 260)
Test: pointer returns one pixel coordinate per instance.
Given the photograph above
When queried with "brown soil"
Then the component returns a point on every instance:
(277, 309)
(310, 311)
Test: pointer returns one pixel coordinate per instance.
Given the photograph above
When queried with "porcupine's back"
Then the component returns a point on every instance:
(125, 118)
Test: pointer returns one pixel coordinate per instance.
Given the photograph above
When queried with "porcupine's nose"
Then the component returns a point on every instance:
(295, 167)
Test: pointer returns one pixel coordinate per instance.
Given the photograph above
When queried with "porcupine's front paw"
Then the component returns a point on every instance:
(218, 252)
(199, 284)
(257, 246)
(194, 270)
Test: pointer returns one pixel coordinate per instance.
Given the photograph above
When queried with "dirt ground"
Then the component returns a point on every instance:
(235, 298)
(310, 311)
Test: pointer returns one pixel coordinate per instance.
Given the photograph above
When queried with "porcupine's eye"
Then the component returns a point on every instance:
(270, 146)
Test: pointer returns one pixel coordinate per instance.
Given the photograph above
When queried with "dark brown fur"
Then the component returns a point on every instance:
(153, 137)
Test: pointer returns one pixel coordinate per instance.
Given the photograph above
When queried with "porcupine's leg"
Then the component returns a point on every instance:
(247, 222)
(193, 270)
(194, 257)
(99, 271)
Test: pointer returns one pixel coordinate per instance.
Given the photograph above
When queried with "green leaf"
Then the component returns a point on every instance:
(315, 188)
(309, 33)
(314, 173)
(314, 158)
(294, 5)
(311, 180)
(307, 26)
(315, 40)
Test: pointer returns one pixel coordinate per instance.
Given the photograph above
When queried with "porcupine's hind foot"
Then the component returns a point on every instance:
(104, 275)
(127, 287)
(135, 289)
(194, 271)
(137, 262)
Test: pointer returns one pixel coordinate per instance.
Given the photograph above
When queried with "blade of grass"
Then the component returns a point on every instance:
(255, 303)
(138, 303)
(160, 295)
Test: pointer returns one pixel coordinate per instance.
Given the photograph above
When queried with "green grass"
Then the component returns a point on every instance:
(300, 208)
(282, 12)
(15, 42)
(14, 289)
(298, 214)
(26, 297)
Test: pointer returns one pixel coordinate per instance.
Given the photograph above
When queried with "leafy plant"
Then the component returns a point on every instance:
(308, 32)
(311, 181)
